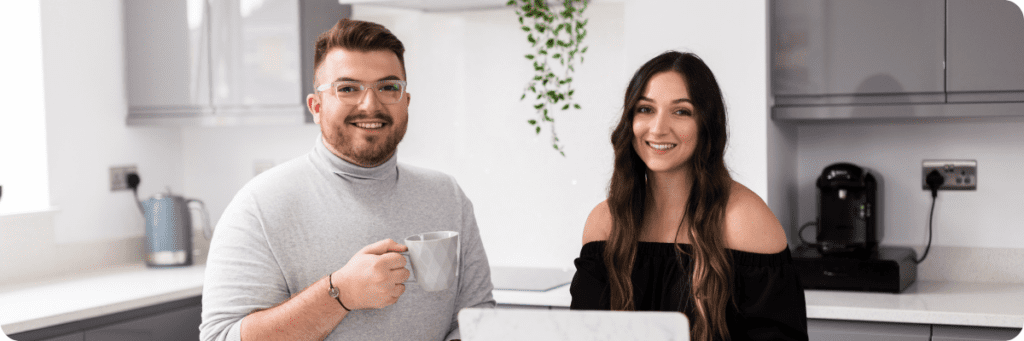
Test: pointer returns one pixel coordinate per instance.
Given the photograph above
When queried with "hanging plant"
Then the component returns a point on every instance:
(556, 36)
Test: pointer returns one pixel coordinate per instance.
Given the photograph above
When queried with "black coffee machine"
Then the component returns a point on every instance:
(847, 255)
(847, 219)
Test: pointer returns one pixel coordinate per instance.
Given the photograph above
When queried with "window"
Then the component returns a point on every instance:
(23, 168)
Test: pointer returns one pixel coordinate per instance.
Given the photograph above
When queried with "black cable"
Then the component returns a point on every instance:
(926, 248)
(133, 181)
(800, 233)
(934, 180)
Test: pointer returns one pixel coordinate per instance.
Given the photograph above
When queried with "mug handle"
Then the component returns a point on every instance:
(408, 263)
(207, 228)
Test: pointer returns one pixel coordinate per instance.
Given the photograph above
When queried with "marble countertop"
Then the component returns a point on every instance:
(40, 305)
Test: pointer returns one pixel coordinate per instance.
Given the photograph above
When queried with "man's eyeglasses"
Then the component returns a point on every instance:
(389, 91)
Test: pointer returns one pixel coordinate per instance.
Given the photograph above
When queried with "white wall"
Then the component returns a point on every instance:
(466, 72)
(83, 63)
(92, 227)
(985, 218)
(731, 39)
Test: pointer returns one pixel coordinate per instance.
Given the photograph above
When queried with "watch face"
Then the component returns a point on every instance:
(333, 292)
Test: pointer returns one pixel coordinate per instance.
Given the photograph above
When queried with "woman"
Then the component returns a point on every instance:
(677, 233)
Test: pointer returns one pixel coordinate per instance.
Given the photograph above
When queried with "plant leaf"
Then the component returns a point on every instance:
(524, 96)
(538, 130)
(584, 49)
(529, 56)
(556, 55)
(566, 107)
(532, 122)
(526, 28)
(577, 106)
(538, 106)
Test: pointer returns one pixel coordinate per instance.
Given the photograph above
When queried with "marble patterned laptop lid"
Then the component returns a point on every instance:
(478, 324)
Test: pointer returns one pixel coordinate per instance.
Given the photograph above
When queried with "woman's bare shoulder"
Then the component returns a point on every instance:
(750, 225)
(599, 223)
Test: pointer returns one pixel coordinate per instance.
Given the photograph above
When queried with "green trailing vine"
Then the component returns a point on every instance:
(557, 36)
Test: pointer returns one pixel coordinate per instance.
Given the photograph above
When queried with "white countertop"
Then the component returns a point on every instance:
(42, 305)
(926, 302)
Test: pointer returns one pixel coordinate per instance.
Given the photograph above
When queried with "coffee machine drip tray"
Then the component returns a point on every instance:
(885, 269)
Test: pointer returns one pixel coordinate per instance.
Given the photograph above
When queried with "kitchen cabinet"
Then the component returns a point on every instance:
(819, 329)
(70, 337)
(844, 52)
(167, 67)
(180, 324)
(175, 320)
(966, 333)
(985, 51)
(884, 60)
(822, 330)
(230, 62)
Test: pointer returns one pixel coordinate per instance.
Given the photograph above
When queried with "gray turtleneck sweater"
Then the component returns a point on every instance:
(294, 224)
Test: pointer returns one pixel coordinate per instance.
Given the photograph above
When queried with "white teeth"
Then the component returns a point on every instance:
(661, 146)
(369, 125)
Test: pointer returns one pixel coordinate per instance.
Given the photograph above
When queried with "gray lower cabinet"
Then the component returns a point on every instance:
(69, 337)
(175, 320)
(181, 324)
(836, 330)
(965, 333)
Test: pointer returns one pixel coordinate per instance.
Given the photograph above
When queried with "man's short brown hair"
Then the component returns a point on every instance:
(357, 35)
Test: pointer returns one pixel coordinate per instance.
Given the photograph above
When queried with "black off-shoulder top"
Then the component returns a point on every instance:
(769, 299)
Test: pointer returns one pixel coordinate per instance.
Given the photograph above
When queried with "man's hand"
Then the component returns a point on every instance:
(373, 277)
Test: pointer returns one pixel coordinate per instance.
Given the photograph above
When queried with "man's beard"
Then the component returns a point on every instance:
(376, 152)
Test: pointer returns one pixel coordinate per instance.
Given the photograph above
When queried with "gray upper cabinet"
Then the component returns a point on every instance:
(985, 51)
(166, 57)
(222, 62)
(256, 59)
(865, 51)
(907, 59)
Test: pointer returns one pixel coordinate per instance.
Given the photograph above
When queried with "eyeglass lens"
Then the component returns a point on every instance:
(387, 91)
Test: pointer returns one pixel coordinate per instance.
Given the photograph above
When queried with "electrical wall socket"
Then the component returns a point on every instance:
(118, 177)
(959, 174)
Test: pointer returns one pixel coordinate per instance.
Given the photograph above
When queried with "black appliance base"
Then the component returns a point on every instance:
(887, 269)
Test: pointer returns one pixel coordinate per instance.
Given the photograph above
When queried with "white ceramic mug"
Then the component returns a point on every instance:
(433, 258)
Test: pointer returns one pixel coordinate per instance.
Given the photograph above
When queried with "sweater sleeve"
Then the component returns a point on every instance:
(770, 302)
(474, 271)
(242, 274)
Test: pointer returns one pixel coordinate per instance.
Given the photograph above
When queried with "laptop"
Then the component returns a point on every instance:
(490, 324)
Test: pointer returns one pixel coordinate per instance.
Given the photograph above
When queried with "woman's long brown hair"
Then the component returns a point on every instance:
(710, 287)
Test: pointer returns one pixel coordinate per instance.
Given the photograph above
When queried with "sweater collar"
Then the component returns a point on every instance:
(348, 170)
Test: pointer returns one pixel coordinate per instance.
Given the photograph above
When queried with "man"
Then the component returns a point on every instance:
(329, 218)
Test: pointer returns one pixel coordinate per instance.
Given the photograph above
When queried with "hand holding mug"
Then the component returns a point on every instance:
(373, 277)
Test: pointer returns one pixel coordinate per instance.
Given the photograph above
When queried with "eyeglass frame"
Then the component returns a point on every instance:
(363, 87)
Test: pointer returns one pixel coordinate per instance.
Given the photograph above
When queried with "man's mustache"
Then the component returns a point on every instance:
(363, 116)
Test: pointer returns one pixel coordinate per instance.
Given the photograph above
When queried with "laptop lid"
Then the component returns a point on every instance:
(479, 324)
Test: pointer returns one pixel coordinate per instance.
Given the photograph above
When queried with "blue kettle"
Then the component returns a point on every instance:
(169, 229)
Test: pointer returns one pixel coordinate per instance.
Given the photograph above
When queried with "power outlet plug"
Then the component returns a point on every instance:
(119, 176)
(958, 174)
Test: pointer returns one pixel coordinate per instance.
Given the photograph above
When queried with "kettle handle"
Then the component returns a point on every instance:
(207, 228)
